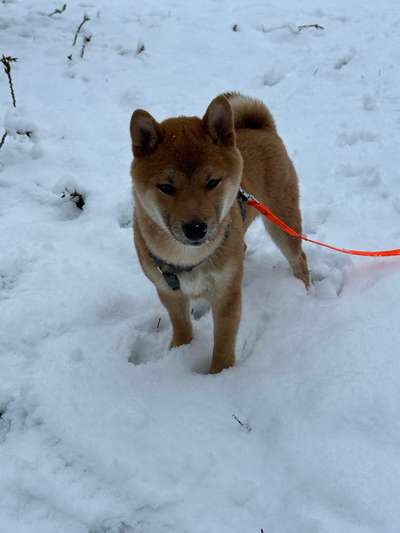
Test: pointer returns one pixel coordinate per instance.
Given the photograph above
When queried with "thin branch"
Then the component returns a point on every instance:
(244, 425)
(3, 139)
(140, 47)
(306, 26)
(86, 41)
(27, 133)
(85, 19)
(58, 11)
(7, 60)
(293, 28)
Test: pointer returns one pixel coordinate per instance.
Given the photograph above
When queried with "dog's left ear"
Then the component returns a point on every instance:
(218, 121)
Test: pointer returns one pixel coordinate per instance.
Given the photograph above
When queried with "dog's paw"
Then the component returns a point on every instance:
(220, 364)
(181, 340)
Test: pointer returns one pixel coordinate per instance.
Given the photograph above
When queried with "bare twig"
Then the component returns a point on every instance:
(27, 133)
(159, 322)
(7, 60)
(85, 19)
(244, 425)
(3, 139)
(306, 26)
(86, 40)
(58, 11)
(293, 28)
(140, 47)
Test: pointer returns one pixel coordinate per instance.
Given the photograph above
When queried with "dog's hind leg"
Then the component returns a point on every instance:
(177, 305)
(290, 247)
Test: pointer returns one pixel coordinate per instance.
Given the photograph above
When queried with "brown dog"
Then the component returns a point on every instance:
(188, 223)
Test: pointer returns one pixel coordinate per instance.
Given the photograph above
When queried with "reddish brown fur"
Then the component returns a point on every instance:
(236, 142)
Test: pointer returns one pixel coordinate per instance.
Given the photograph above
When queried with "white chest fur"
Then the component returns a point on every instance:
(202, 281)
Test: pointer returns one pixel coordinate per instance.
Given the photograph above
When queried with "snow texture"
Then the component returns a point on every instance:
(102, 429)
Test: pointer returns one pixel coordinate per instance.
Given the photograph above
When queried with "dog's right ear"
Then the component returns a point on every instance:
(145, 133)
(218, 121)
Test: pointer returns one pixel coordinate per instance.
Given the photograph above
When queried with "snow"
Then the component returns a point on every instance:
(102, 429)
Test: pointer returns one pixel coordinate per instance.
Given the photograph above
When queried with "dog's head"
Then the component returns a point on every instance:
(187, 170)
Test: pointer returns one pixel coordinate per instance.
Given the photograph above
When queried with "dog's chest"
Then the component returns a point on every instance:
(195, 283)
(201, 281)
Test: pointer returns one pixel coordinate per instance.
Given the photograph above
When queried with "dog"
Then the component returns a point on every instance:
(189, 223)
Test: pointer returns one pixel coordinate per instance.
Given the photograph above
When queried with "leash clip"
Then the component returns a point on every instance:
(246, 196)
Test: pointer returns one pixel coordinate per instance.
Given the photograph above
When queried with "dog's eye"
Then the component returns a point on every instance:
(167, 188)
(212, 183)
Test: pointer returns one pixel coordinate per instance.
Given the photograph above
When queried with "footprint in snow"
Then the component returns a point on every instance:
(124, 215)
(112, 526)
(327, 285)
(327, 276)
(344, 60)
(314, 218)
(396, 204)
(273, 76)
(12, 269)
(368, 175)
(354, 137)
(5, 421)
(369, 102)
(151, 339)
(143, 350)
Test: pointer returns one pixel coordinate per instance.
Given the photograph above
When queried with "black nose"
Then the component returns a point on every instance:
(195, 230)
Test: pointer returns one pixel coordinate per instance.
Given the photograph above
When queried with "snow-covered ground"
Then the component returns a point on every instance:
(102, 429)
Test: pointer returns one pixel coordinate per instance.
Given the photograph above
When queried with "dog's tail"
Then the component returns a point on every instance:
(250, 113)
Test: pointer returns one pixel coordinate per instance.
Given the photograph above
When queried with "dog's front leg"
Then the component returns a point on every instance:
(177, 305)
(226, 307)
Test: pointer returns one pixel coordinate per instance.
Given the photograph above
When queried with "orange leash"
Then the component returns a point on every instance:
(253, 202)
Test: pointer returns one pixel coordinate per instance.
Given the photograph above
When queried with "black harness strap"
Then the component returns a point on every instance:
(242, 201)
(171, 271)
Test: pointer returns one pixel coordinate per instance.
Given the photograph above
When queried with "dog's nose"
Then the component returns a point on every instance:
(195, 230)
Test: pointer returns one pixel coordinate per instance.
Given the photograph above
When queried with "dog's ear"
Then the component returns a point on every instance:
(218, 121)
(145, 133)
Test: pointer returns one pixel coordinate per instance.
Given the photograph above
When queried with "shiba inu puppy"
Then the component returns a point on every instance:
(189, 225)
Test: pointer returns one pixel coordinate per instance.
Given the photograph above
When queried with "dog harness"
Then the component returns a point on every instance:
(171, 271)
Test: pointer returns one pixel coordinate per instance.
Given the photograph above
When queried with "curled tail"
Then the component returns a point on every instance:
(250, 113)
